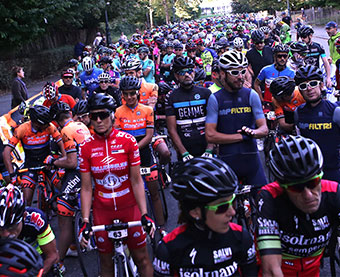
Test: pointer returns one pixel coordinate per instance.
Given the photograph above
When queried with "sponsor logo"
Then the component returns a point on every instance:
(161, 266)
(35, 219)
(316, 126)
(197, 96)
(201, 272)
(136, 234)
(320, 223)
(251, 252)
(100, 239)
(268, 226)
(107, 159)
(222, 255)
(237, 110)
(112, 181)
(97, 154)
(192, 255)
(193, 111)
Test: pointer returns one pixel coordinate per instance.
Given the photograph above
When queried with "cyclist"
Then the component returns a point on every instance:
(80, 113)
(89, 77)
(319, 119)
(207, 55)
(215, 77)
(315, 51)
(298, 50)
(207, 243)
(178, 48)
(35, 136)
(27, 223)
(270, 72)
(148, 66)
(18, 258)
(240, 33)
(332, 31)
(68, 88)
(111, 158)
(298, 212)
(105, 86)
(148, 92)
(167, 62)
(186, 112)
(235, 118)
(52, 95)
(285, 101)
(73, 134)
(191, 53)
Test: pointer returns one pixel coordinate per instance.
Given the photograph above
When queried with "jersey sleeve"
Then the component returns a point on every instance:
(268, 236)
(248, 258)
(117, 123)
(149, 118)
(161, 262)
(154, 92)
(212, 110)
(17, 136)
(336, 116)
(256, 105)
(70, 101)
(54, 133)
(169, 108)
(133, 152)
(46, 236)
(69, 143)
(84, 157)
(261, 75)
(278, 109)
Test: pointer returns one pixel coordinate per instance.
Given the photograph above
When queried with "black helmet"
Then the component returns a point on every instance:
(130, 83)
(308, 72)
(72, 62)
(191, 46)
(200, 75)
(163, 88)
(105, 60)
(40, 114)
(181, 62)
(102, 101)
(203, 180)
(282, 85)
(143, 49)
(279, 48)
(178, 46)
(59, 108)
(298, 47)
(12, 206)
(305, 31)
(18, 258)
(295, 158)
(257, 36)
(80, 108)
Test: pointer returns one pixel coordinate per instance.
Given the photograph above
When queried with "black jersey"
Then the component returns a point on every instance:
(188, 251)
(259, 60)
(314, 52)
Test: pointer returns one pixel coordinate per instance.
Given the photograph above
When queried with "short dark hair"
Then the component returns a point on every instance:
(16, 69)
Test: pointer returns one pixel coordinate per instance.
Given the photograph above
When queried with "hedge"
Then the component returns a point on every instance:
(37, 66)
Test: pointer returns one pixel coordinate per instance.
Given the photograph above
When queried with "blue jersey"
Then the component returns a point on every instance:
(150, 78)
(168, 60)
(90, 81)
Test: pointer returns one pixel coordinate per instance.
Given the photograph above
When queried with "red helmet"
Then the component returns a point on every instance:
(50, 91)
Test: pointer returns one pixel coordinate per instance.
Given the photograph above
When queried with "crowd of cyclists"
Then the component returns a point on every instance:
(208, 84)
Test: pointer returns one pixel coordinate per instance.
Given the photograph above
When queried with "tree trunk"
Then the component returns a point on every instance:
(166, 10)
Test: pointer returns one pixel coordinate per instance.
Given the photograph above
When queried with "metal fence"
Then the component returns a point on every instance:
(318, 16)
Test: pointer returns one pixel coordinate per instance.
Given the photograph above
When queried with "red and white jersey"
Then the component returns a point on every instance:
(109, 160)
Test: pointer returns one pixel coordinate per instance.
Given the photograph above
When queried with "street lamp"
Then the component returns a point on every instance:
(107, 28)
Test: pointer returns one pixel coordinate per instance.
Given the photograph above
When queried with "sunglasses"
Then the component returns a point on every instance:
(67, 77)
(178, 49)
(299, 187)
(101, 115)
(237, 72)
(184, 71)
(284, 56)
(221, 207)
(311, 84)
(82, 116)
(104, 82)
(261, 42)
(130, 93)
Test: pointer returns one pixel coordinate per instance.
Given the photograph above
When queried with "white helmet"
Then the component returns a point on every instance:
(238, 42)
(87, 64)
(232, 59)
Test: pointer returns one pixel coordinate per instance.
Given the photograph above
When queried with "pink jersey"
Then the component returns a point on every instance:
(109, 160)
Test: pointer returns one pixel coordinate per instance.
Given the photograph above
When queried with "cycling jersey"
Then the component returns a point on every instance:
(167, 59)
(245, 39)
(36, 144)
(208, 56)
(109, 160)
(322, 124)
(190, 109)
(36, 230)
(71, 90)
(90, 81)
(146, 91)
(299, 237)
(268, 74)
(259, 60)
(214, 88)
(150, 78)
(68, 99)
(188, 251)
(314, 52)
(283, 108)
(114, 92)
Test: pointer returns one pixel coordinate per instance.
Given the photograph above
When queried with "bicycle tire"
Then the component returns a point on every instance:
(119, 266)
(162, 196)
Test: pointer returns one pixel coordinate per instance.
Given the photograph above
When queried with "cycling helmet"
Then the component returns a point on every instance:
(191, 46)
(163, 46)
(170, 44)
(223, 41)
(281, 48)
(50, 91)
(163, 88)
(87, 63)
(203, 180)
(104, 77)
(229, 31)
(257, 36)
(72, 62)
(295, 158)
(308, 72)
(200, 74)
(18, 258)
(265, 29)
(130, 83)
(85, 54)
(282, 85)
(102, 101)
(40, 114)
(240, 28)
(178, 46)
(105, 60)
(59, 108)
(143, 49)
(298, 47)
(133, 64)
(12, 206)
(305, 31)
(238, 42)
(80, 108)
(181, 62)
(233, 59)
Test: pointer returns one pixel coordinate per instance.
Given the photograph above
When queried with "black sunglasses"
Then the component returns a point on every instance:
(280, 56)
(101, 115)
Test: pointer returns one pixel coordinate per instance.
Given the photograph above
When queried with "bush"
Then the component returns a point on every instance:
(36, 66)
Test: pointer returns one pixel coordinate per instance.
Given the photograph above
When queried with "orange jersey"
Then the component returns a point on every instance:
(290, 106)
(74, 133)
(146, 91)
(36, 144)
(68, 99)
(134, 121)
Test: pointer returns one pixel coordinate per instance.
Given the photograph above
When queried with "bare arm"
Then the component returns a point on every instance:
(285, 126)
(262, 129)
(258, 88)
(51, 255)
(213, 136)
(7, 158)
(271, 265)
(61, 147)
(146, 71)
(86, 195)
(171, 123)
(138, 188)
(147, 139)
(328, 72)
(69, 161)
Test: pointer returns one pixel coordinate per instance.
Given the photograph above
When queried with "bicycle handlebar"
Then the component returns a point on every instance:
(116, 226)
(32, 168)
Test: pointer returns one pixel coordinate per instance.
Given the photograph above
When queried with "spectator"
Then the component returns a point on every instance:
(332, 31)
(19, 90)
(68, 88)
(286, 19)
(97, 40)
(78, 50)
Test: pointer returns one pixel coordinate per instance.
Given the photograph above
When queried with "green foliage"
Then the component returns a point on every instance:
(188, 9)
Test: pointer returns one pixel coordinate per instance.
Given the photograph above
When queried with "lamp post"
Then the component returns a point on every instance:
(107, 28)
(288, 7)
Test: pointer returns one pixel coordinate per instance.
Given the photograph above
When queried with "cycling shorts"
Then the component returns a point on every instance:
(67, 203)
(30, 178)
(136, 235)
(148, 159)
